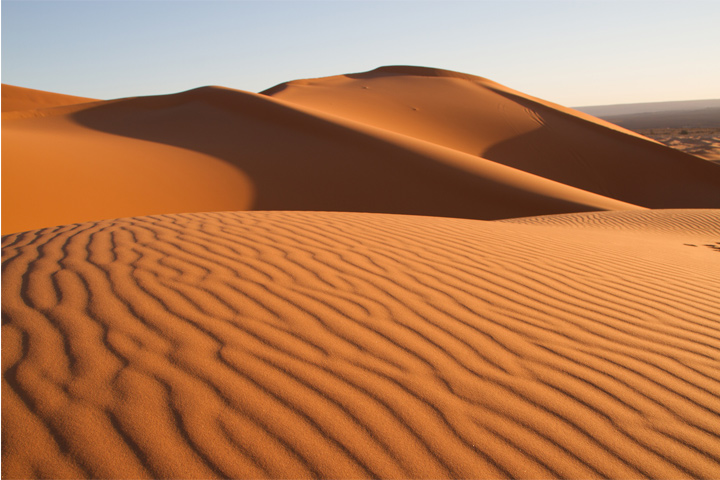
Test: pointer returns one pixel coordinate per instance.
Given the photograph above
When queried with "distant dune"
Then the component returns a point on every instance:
(395, 140)
(703, 118)
(223, 284)
(649, 107)
(692, 127)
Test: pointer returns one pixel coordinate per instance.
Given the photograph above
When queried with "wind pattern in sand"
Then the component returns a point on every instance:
(335, 345)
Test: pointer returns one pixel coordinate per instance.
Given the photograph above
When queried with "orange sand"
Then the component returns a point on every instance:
(19, 98)
(482, 118)
(395, 140)
(346, 345)
(356, 331)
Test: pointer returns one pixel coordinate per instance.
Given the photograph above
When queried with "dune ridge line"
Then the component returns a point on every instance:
(402, 140)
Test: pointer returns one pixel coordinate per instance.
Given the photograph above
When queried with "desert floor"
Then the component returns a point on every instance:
(701, 142)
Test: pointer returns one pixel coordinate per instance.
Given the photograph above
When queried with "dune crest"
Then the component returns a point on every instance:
(215, 148)
(339, 345)
(20, 98)
(406, 140)
(483, 118)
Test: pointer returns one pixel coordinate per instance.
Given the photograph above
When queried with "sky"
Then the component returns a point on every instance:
(571, 52)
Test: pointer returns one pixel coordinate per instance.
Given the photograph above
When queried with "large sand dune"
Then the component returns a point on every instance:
(565, 325)
(480, 117)
(395, 140)
(338, 345)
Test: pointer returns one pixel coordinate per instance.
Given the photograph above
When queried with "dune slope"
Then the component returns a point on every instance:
(55, 172)
(483, 118)
(20, 98)
(220, 149)
(338, 345)
(408, 140)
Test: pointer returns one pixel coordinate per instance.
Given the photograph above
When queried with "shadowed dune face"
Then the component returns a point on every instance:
(338, 345)
(608, 162)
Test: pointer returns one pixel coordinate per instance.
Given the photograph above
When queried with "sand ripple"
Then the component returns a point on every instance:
(298, 344)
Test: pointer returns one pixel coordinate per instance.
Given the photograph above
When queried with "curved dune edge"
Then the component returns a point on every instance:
(338, 345)
(16, 99)
(480, 117)
(217, 149)
(281, 90)
(400, 140)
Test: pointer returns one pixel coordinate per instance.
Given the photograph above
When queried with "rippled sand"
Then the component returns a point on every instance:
(338, 345)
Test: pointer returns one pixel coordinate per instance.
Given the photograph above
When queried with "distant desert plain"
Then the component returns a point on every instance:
(690, 126)
(403, 273)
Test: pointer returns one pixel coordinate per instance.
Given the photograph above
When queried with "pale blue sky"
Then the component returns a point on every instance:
(573, 52)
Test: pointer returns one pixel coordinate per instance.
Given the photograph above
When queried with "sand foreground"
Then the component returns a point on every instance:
(347, 345)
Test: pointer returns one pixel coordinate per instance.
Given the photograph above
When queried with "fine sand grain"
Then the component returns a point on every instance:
(346, 345)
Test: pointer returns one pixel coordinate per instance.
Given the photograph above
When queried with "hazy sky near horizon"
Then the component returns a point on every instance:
(572, 52)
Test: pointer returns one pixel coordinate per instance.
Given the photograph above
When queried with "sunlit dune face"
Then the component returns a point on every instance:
(453, 112)
(17, 99)
(55, 172)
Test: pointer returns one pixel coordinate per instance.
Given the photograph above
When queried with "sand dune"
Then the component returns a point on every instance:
(603, 111)
(481, 117)
(20, 98)
(395, 140)
(221, 149)
(338, 345)
(55, 172)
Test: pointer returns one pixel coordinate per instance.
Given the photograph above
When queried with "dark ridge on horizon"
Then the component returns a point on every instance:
(648, 107)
